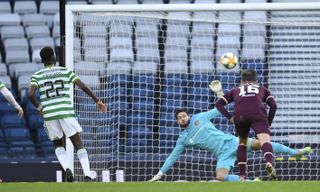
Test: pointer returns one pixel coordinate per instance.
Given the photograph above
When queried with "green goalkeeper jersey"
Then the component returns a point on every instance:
(54, 84)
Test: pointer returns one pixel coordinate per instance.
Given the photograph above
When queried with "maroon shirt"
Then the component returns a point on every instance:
(249, 99)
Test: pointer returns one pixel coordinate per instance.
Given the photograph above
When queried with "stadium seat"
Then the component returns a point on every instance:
(176, 79)
(202, 42)
(145, 67)
(169, 106)
(25, 7)
(139, 139)
(23, 82)
(201, 59)
(17, 56)
(120, 2)
(98, 2)
(91, 68)
(7, 81)
(22, 149)
(168, 119)
(204, 1)
(5, 7)
(120, 42)
(34, 121)
(37, 31)
(140, 118)
(9, 19)
(117, 29)
(26, 70)
(49, 7)
(121, 55)
(203, 28)
(176, 43)
(178, 28)
(200, 79)
(10, 118)
(3, 70)
(76, 2)
(12, 32)
(33, 19)
(6, 108)
(146, 28)
(17, 134)
(151, 1)
(148, 55)
(38, 43)
(96, 54)
(95, 31)
(16, 44)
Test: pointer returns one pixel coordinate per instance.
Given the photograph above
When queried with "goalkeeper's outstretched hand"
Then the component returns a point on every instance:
(157, 177)
(216, 87)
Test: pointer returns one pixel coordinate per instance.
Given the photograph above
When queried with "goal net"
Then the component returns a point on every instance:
(145, 65)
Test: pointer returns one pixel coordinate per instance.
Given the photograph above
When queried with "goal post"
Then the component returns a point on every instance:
(146, 61)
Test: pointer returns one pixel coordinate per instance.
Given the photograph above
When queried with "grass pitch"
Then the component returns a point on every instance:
(290, 186)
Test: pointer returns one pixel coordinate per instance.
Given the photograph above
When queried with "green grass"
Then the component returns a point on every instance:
(292, 186)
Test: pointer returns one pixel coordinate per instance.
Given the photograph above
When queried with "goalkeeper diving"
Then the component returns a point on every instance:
(199, 132)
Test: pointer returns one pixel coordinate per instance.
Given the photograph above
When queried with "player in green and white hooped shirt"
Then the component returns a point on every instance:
(9, 97)
(54, 84)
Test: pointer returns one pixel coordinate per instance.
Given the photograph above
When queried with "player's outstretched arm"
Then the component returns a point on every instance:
(9, 97)
(100, 105)
(173, 157)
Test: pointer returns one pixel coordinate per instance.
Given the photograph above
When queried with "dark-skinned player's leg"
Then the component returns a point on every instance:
(63, 159)
(82, 155)
(242, 128)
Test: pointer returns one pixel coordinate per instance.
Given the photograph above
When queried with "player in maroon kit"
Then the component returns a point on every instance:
(250, 111)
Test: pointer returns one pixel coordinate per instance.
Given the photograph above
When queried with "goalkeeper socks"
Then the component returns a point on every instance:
(242, 160)
(279, 148)
(62, 157)
(232, 178)
(267, 152)
(84, 161)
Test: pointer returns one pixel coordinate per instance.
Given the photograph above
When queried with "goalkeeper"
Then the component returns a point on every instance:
(199, 132)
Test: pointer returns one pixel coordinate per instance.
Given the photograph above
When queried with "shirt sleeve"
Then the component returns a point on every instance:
(1, 85)
(173, 157)
(34, 81)
(72, 76)
(267, 95)
(212, 114)
(224, 100)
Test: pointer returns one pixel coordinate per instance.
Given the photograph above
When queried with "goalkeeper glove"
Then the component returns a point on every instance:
(157, 177)
(216, 87)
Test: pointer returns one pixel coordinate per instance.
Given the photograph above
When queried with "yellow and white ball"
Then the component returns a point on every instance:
(229, 60)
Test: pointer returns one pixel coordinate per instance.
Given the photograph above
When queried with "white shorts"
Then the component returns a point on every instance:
(56, 128)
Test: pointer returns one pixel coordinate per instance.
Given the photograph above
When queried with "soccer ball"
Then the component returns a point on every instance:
(229, 60)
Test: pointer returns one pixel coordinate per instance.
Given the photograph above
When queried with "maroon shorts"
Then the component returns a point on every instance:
(243, 123)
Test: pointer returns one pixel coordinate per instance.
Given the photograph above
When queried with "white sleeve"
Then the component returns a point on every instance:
(8, 95)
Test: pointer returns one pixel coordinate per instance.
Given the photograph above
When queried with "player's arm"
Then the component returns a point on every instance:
(224, 100)
(271, 102)
(9, 97)
(100, 105)
(32, 96)
(173, 157)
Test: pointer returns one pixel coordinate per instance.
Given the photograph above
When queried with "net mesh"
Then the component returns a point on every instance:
(146, 65)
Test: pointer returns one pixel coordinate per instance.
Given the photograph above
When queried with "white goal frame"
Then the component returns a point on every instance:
(69, 9)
